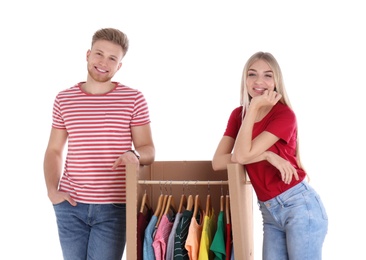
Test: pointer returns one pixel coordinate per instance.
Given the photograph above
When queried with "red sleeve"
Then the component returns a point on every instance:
(234, 123)
(282, 123)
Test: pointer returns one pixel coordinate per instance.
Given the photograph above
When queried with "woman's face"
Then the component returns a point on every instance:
(259, 78)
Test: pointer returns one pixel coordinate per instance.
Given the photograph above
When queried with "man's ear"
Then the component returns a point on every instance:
(87, 54)
(119, 65)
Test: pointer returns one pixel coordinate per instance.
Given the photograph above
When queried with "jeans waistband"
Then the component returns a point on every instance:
(280, 199)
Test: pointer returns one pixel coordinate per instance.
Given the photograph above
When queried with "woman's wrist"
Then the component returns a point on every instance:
(268, 155)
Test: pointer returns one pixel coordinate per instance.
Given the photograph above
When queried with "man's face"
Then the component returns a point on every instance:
(104, 60)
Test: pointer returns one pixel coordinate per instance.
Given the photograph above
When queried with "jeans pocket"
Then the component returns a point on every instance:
(60, 203)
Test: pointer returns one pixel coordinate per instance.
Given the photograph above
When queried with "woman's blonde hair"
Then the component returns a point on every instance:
(277, 75)
(279, 86)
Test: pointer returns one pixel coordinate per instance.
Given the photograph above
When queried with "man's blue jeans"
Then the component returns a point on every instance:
(295, 224)
(91, 231)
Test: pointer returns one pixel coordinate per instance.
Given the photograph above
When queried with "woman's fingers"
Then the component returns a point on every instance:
(288, 173)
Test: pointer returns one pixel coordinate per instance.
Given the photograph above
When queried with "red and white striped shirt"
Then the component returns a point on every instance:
(99, 131)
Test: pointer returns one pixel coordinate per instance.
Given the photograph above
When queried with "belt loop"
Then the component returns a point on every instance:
(279, 201)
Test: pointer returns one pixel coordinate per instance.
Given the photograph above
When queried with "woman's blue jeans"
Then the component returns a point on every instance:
(91, 231)
(295, 224)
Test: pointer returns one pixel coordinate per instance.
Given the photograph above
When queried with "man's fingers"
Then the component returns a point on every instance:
(116, 163)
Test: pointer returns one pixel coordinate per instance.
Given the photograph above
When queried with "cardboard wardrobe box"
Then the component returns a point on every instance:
(195, 178)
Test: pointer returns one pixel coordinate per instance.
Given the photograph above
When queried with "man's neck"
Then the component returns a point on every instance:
(97, 88)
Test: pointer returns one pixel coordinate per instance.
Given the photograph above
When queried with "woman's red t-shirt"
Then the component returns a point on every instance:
(265, 178)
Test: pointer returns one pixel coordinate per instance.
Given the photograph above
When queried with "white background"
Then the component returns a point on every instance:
(187, 58)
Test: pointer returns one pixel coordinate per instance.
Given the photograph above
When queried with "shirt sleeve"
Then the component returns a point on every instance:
(283, 123)
(234, 122)
(57, 120)
(141, 114)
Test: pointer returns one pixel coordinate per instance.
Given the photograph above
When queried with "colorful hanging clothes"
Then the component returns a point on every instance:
(180, 252)
(229, 242)
(170, 244)
(161, 236)
(142, 222)
(208, 231)
(194, 236)
(218, 242)
(148, 250)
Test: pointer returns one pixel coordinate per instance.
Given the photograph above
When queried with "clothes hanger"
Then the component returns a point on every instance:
(183, 202)
(190, 203)
(159, 204)
(165, 199)
(208, 202)
(227, 209)
(145, 203)
(208, 205)
(222, 199)
(222, 202)
(197, 205)
(170, 205)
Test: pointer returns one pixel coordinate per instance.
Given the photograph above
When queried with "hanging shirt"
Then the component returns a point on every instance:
(229, 242)
(194, 236)
(170, 244)
(218, 242)
(161, 236)
(180, 252)
(142, 222)
(232, 252)
(148, 250)
(208, 230)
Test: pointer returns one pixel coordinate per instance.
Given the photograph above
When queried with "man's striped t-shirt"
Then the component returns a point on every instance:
(99, 131)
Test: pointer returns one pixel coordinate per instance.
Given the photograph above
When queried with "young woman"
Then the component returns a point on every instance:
(261, 134)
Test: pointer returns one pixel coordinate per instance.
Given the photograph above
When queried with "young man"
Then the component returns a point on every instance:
(101, 120)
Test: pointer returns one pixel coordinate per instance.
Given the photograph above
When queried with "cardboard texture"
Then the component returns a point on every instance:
(192, 178)
(241, 207)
